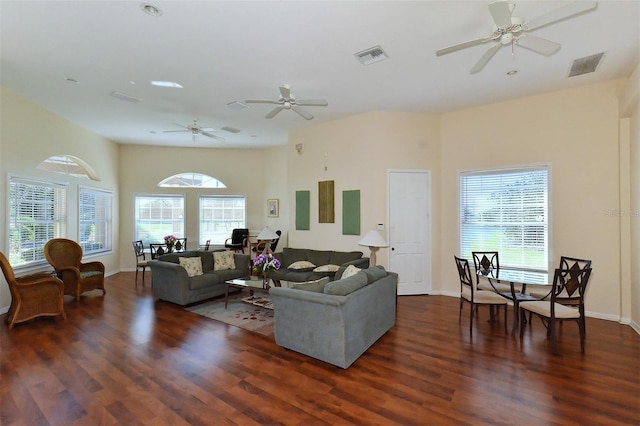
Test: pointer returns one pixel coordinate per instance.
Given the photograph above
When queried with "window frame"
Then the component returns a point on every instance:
(107, 244)
(524, 259)
(205, 234)
(163, 233)
(59, 221)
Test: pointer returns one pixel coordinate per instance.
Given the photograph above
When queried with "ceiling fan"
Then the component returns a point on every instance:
(510, 30)
(288, 101)
(196, 130)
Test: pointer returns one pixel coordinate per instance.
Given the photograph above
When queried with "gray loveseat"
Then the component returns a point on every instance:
(318, 258)
(336, 328)
(171, 282)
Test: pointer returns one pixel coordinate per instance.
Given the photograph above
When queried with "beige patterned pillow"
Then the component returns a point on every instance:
(223, 260)
(351, 270)
(327, 268)
(301, 264)
(193, 265)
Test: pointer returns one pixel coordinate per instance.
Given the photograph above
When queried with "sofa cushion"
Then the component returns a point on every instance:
(193, 265)
(207, 261)
(327, 268)
(316, 286)
(204, 281)
(340, 257)
(374, 273)
(349, 271)
(223, 260)
(301, 265)
(319, 257)
(348, 285)
(290, 255)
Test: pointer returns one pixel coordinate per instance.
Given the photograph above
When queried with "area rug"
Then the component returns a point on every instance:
(238, 313)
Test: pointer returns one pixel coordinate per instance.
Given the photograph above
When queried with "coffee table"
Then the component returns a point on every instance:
(252, 283)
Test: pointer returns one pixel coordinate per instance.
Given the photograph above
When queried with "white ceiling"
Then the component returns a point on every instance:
(225, 51)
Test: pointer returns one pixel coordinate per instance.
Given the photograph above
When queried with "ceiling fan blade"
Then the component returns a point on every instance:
(561, 13)
(538, 44)
(274, 112)
(212, 136)
(461, 46)
(303, 113)
(485, 58)
(261, 101)
(285, 91)
(312, 102)
(501, 12)
(175, 131)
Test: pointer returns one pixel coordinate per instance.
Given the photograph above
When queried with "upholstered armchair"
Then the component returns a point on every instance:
(66, 258)
(39, 295)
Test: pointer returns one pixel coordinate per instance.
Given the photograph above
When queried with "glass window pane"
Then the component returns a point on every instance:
(219, 216)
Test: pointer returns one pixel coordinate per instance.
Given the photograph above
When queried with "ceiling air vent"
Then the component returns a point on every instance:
(585, 65)
(372, 55)
(124, 97)
(230, 129)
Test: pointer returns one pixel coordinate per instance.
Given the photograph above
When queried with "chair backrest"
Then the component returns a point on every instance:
(138, 248)
(157, 250)
(485, 260)
(274, 243)
(567, 263)
(239, 236)
(464, 273)
(180, 245)
(62, 253)
(207, 245)
(7, 270)
(570, 285)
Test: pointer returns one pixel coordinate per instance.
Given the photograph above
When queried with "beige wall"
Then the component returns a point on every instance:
(30, 134)
(256, 174)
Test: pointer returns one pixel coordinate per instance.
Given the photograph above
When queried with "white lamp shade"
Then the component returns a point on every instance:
(267, 234)
(373, 239)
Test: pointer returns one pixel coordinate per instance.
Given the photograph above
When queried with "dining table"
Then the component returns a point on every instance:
(516, 277)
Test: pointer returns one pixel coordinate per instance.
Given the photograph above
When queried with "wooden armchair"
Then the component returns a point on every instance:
(39, 295)
(66, 258)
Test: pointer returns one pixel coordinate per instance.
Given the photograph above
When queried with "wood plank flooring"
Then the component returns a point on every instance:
(122, 359)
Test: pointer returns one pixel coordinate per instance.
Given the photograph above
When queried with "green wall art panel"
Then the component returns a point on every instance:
(303, 210)
(351, 212)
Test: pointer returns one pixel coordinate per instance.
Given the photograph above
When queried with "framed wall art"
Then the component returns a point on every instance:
(273, 207)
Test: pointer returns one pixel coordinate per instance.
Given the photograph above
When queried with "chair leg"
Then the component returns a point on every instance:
(505, 320)
(553, 337)
(471, 318)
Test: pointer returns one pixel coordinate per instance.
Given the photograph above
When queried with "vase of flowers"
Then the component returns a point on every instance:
(263, 264)
(170, 241)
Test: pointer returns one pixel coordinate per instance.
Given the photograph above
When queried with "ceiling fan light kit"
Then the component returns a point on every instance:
(511, 30)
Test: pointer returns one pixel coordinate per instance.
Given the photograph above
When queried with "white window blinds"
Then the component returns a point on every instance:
(95, 213)
(506, 211)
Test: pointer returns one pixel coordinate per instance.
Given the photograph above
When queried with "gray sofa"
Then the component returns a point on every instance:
(336, 328)
(171, 282)
(288, 256)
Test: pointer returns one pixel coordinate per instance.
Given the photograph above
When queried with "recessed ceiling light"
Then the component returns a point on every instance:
(172, 84)
(512, 72)
(150, 9)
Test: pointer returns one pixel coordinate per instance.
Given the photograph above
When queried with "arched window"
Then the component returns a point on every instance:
(68, 165)
(191, 180)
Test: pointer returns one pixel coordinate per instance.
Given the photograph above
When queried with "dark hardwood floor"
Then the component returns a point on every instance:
(123, 359)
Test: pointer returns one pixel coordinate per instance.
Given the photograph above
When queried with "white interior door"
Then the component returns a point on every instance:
(409, 230)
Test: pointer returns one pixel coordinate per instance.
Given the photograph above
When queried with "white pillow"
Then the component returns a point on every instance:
(351, 270)
(223, 260)
(316, 286)
(193, 265)
(327, 268)
(301, 264)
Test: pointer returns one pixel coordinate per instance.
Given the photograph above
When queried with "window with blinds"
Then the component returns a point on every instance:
(37, 213)
(506, 211)
(219, 215)
(157, 216)
(95, 213)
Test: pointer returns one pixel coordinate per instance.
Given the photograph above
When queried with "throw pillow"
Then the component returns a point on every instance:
(316, 286)
(327, 268)
(193, 265)
(223, 260)
(374, 273)
(301, 264)
(351, 270)
(346, 285)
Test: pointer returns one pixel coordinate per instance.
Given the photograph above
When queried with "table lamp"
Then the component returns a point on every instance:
(267, 235)
(374, 241)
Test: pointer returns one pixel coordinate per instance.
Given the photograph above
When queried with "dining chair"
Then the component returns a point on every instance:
(38, 295)
(469, 293)
(566, 264)
(568, 285)
(207, 244)
(157, 250)
(66, 258)
(180, 245)
(238, 240)
(141, 259)
(484, 261)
